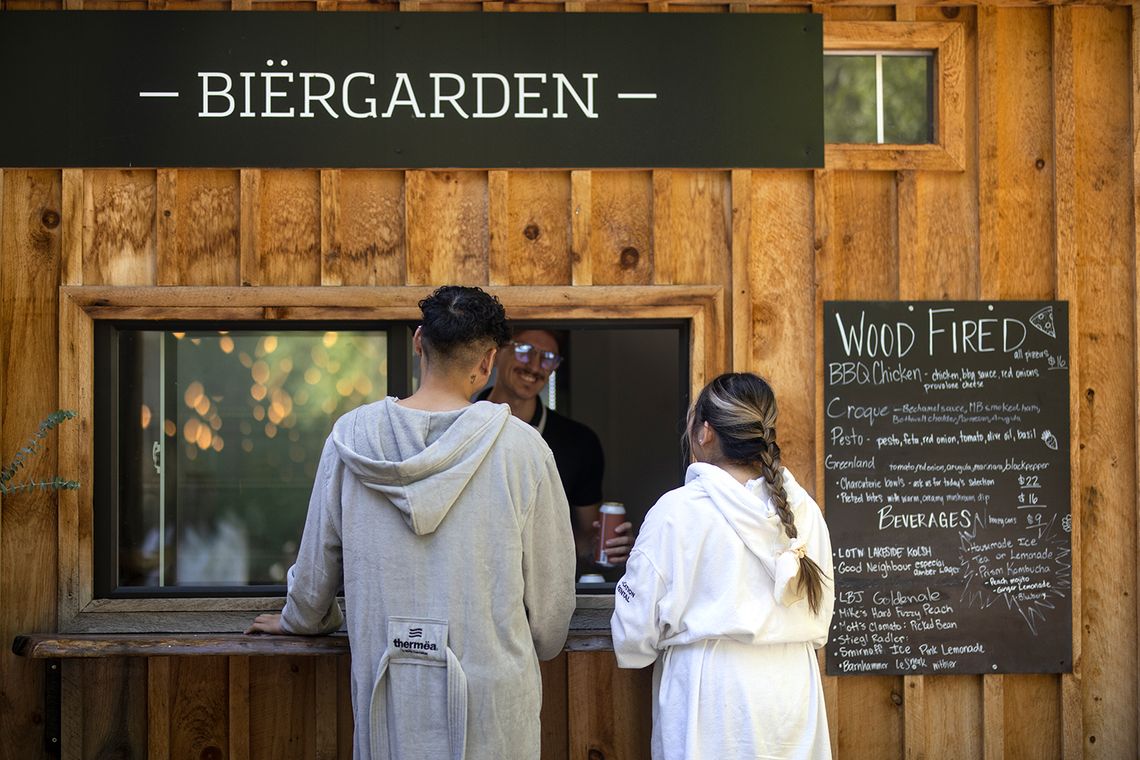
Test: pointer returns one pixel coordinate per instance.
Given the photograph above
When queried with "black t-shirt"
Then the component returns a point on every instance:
(577, 454)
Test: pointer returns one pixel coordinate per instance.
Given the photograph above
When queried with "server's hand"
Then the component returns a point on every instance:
(617, 548)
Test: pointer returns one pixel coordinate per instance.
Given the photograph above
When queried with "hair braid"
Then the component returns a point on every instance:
(741, 408)
(771, 469)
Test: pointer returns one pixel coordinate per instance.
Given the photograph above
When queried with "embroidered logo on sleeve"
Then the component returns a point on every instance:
(417, 639)
(625, 591)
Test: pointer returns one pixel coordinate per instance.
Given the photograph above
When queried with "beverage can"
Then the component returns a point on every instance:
(610, 515)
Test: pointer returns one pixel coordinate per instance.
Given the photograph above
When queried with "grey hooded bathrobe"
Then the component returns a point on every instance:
(450, 531)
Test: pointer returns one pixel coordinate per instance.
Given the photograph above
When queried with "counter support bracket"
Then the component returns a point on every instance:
(53, 723)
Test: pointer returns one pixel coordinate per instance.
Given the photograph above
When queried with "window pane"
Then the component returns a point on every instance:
(849, 99)
(220, 434)
(907, 99)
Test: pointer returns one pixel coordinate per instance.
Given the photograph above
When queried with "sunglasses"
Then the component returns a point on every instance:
(548, 361)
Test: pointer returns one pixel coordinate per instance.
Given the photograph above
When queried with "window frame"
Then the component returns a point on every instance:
(81, 307)
(948, 42)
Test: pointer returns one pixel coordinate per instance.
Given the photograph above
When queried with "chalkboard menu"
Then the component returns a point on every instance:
(947, 486)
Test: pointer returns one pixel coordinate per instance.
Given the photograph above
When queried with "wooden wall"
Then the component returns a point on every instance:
(1046, 208)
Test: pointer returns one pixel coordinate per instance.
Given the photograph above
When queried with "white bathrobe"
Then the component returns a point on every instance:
(710, 594)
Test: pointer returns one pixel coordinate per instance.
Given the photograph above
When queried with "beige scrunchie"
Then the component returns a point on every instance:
(788, 590)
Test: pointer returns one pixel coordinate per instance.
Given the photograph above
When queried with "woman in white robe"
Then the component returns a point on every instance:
(728, 592)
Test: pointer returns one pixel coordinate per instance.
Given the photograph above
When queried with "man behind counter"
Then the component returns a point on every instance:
(524, 366)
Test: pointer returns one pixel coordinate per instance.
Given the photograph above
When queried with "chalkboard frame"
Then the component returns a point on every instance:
(1017, 637)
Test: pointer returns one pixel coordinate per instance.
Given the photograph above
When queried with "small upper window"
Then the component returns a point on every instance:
(894, 95)
(879, 97)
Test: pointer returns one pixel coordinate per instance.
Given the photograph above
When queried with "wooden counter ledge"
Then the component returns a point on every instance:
(589, 632)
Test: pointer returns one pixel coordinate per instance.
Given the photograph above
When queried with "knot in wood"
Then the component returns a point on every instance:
(50, 219)
(896, 697)
(531, 232)
(595, 754)
(210, 753)
(629, 257)
(1039, 163)
(950, 11)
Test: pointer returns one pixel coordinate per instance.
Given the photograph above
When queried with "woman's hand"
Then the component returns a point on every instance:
(267, 623)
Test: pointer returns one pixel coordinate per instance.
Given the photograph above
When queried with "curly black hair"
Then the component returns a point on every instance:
(458, 318)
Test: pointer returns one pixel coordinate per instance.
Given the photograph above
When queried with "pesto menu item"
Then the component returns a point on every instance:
(946, 466)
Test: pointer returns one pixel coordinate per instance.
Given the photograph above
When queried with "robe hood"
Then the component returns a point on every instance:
(419, 461)
(748, 508)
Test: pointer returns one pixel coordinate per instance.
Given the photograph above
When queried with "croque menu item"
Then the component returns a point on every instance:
(946, 428)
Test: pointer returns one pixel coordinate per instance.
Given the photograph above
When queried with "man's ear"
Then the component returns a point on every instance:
(487, 363)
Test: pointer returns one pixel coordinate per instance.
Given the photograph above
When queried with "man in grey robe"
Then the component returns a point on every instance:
(446, 521)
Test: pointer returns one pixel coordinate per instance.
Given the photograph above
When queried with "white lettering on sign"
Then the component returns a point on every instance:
(286, 94)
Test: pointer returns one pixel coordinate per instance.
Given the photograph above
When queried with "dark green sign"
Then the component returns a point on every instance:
(407, 90)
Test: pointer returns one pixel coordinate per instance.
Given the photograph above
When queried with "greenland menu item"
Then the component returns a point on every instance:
(946, 466)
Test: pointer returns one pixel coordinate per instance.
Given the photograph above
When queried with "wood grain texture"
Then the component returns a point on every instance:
(740, 288)
(281, 692)
(448, 228)
(289, 228)
(158, 708)
(620, 243)
(1104, 240)
(1072, 725)
(325, 704)
(344, 718)
(71, 266)
(993, 718)
(238, 690)
(692, 227)
(859, 257)
(363, 240)
(30, 248)
(954, 717)
(114, 707)
(199, 710)
(119, 227)
(555, 709)
(856, 242)
(1015, 153)
(581, 201)
(938, 260)
(103, 645)
(781, 270)
(615, 719)
(199, 218)
(1016, 189)
(1072, 688)
(530, 228)
(869, 716)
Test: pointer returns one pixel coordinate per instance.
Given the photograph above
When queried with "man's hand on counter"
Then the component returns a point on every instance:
(267, 623)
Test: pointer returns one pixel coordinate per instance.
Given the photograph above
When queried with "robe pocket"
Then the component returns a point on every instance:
(419, 699)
